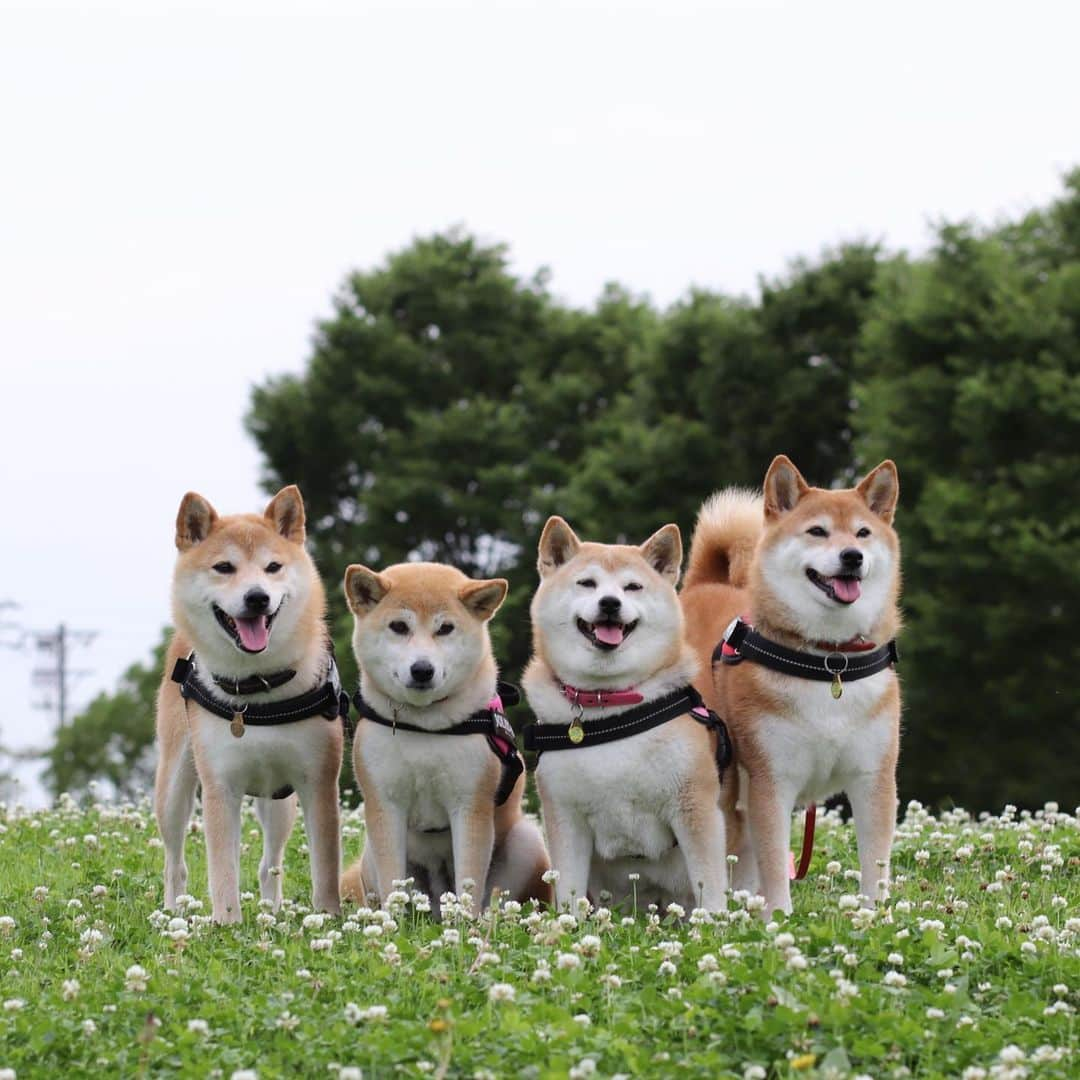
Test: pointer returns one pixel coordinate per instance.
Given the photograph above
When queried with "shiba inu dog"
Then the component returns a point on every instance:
(433, 755)
(622, 793)
(250, 702)
(809, 692)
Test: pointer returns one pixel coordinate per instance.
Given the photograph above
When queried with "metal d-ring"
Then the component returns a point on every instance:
(838, 671)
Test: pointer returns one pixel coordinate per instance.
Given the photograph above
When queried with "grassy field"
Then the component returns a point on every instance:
(972, 969)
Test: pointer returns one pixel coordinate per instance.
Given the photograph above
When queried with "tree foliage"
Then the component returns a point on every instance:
(112, 739)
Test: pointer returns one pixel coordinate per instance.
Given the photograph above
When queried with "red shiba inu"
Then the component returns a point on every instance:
(433, 754)
(250, 703)
(629, 773)
(803, 585)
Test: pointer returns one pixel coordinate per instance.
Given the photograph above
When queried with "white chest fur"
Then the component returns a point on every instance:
(266, 758)
(429, 776)
(819, 743)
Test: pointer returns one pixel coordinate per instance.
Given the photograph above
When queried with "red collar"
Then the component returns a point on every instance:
(600, 699)
(855, 644)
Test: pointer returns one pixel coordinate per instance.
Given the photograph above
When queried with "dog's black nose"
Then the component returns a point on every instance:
(851, 558)
(422, 671)
(256, 600)
(610, 605)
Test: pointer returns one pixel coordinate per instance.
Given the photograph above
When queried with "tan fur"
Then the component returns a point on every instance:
(747, 695)
(489, 841)
(188, 736)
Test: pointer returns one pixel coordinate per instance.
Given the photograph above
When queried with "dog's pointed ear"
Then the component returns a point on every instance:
(364, 588)
(285, 512)
(483, 598)
(663, 552)
(784, 487)
(194, 520)
(880, 488)
(558, 545)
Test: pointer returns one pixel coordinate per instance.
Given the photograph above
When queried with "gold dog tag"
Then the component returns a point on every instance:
(236, 726)
(576, 732)
(837, 686)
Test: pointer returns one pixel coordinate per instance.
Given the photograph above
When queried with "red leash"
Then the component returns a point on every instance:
(807, 845)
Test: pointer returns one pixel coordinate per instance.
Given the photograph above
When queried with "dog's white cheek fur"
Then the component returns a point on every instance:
(558, 607)
(817, 617)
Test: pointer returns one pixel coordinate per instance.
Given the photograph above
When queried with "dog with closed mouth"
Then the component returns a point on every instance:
(628, 773)
(250, 702)
(803, 587)
(433, 754)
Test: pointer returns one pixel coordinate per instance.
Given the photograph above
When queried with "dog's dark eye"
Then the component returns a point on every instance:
(399, 627)
(863, 533)
(587, 583)
(446, 628)
(224, 568)
(632, 586)
(817, 530)
(273, 567)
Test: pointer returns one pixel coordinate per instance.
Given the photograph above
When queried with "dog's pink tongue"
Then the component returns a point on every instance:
(846, 588)
(608, 633)
(254, 633)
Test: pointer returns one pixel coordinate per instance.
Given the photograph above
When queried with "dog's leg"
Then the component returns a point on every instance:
(571, 845)
(322, 825)
(175, 784)
(386, 843)
(699, 829)
(221, 820)
(873, 806)
(518, 864)
(472, 833)
(769, 808)
(277, 817)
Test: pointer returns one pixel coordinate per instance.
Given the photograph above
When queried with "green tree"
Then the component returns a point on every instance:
(112, 739)
(970, 378)
(728, 384)
(440, 397)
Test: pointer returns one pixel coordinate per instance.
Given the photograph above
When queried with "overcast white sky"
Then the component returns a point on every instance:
(183, 186)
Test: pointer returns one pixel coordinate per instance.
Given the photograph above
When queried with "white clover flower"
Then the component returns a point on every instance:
(373, 930)
(542, 973)
(350, 1072)
(895, 958)
(500, 992)
(611, 981)
(667, 968)
(89, 1028)
(14, 1005)
(847, 902)
(708, 963)
(935, 1014)
(135, 978)
(244, 1074)
(797, 962)
(1011, 1054)
(7, 924)
(584, 1019)
(550, 877)
(198, 1027)
(584, 1068)
(589, 945)
(69, 989)
(754, 1072)
(567, 961)
(895, 978)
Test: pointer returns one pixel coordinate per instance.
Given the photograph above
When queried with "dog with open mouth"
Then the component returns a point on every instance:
(800, 588)
(630, 761)
(434, 754)
(250, 703)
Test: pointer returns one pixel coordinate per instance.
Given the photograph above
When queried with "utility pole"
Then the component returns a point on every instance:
(59, 675)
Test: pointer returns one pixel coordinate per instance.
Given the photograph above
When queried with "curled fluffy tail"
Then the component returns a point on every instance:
(725, 536)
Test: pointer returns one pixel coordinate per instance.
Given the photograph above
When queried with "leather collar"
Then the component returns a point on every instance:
(254, 684)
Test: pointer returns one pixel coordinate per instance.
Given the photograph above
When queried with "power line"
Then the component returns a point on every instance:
(59, 674)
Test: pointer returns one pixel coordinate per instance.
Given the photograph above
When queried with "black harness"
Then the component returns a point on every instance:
(687, 701)
(742, 642)
(327, 700)
(489, 722)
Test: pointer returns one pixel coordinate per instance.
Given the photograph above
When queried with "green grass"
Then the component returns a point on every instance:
(973, 965)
